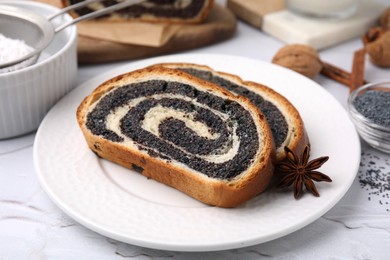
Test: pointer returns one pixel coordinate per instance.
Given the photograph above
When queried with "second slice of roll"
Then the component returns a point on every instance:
(285, 122)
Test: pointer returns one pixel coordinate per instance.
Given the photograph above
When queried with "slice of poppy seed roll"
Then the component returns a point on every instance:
(168, 11)
(182, 131)
(283, 118)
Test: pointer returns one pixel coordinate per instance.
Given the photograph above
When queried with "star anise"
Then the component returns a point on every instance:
(299, 172)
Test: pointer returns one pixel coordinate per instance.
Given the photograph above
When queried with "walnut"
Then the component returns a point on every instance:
(300, 58)
(384, 20)
(377, 45)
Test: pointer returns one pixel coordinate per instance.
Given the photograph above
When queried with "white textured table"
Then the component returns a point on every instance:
(358, 227)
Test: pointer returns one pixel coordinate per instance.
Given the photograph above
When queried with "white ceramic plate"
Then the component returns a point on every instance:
(126, 206)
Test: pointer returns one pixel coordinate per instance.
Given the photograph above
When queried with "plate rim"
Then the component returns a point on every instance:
(175, 246)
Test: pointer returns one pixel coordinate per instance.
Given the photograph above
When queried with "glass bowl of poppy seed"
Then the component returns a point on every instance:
(369, 109)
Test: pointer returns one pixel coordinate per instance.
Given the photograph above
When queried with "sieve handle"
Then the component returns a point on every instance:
(73, 7)
(92, 15)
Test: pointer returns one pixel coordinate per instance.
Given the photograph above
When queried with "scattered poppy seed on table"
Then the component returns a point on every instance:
(374, 178)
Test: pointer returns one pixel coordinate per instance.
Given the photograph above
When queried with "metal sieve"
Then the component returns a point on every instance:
(38, 31)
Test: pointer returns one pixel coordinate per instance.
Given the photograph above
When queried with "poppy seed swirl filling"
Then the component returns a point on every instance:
(275, 119)
(159, 8)
(178, 123)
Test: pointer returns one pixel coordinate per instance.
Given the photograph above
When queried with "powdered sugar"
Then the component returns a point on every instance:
(12, 49)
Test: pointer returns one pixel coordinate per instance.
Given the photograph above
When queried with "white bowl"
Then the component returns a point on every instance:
(26, 95)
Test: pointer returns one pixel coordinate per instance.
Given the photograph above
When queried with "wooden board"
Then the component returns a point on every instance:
(253, 11)
(220, 25)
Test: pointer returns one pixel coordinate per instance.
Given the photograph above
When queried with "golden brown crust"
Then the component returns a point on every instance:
(211, 191)
(297, 139)
(200, 17)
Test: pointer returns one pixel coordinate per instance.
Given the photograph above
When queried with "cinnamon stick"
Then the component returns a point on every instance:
(337, 74)
(357, 76)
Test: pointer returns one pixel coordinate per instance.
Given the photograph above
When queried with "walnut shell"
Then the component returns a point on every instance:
(384, 20)
(379, 50)
(301, 58)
